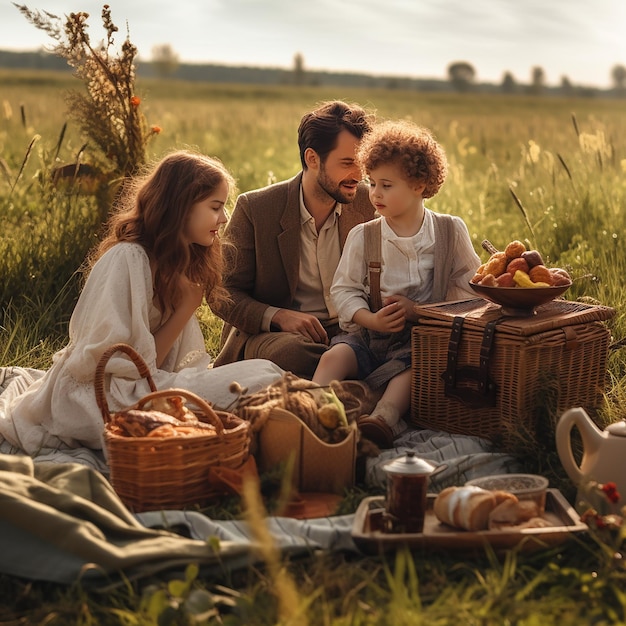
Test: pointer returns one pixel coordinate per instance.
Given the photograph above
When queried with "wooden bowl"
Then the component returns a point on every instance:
(519, 301)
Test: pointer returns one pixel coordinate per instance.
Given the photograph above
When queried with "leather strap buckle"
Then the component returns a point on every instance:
(470, 384)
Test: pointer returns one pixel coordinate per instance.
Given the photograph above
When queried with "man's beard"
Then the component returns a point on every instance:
(334, 189)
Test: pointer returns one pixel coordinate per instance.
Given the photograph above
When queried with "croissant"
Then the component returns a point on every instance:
(139, 423)
(172, 405)
(469, 507)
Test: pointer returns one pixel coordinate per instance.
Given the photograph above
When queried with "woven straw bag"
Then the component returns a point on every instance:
(151, 473)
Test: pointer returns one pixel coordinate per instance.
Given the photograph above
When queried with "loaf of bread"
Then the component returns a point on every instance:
(468, 507)
(473, 508)
(517, 513)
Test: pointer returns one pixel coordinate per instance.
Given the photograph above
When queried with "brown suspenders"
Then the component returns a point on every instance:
(371, 250)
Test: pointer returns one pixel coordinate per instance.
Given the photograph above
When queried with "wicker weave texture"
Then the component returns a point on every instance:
(153, 473)
(173, 473)
(564, 366)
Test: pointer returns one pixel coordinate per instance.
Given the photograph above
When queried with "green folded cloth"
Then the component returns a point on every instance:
(63, 522)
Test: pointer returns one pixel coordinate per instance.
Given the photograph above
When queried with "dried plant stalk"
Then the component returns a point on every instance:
(108, 112)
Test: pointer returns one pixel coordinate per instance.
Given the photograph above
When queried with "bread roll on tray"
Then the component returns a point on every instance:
(473, 508)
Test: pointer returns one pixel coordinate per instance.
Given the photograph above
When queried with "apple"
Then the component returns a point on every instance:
(532, 257)
(505, 280)
(517, 264)
(560, 277)
(540, 274)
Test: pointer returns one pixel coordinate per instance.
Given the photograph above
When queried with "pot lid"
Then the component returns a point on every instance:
(410, 464)
(618, 428)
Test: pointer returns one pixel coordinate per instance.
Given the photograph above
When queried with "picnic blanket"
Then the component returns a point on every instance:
(61, 521)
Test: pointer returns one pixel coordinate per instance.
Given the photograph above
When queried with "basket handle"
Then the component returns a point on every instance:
(212, 416)
(488, 246)
(141, 365)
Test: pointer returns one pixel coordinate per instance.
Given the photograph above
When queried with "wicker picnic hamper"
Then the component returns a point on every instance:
(477, 372)
(153, 473)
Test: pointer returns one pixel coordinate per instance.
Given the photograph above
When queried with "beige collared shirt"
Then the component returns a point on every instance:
(319, 257)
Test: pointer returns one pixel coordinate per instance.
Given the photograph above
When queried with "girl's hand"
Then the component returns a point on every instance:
(191, 295)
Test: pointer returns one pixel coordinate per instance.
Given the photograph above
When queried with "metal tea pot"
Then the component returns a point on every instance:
(407, 483)
(604, 451)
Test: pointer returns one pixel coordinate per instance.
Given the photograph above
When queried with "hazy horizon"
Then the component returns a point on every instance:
(410, 38)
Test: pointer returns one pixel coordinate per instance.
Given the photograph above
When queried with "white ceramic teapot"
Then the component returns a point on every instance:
(604, 451)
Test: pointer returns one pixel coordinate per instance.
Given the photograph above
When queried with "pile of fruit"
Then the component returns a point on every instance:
(516, 266)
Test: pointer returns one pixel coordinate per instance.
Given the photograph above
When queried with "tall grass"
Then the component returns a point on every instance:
(545, 170)
(549, 171)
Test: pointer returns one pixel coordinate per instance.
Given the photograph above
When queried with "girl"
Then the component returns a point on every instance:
(160, 256)
(425, 257)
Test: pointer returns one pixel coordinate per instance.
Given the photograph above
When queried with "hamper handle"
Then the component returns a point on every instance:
(144, 371)
(141, 365)
(201, 403)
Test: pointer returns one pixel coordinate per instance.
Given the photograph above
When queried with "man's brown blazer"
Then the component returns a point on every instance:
(262, 258)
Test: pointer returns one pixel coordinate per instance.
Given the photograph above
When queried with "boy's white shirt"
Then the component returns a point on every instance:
(407, 267)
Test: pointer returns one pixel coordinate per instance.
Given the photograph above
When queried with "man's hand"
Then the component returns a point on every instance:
(300, 324)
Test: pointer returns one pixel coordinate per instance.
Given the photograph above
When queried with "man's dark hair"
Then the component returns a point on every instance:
(319, 128)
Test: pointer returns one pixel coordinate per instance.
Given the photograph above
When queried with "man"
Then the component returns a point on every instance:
(287, 239)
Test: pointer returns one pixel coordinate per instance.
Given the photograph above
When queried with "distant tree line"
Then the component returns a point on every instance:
(461, 75)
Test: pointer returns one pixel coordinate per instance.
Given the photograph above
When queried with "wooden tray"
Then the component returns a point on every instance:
(368, 534)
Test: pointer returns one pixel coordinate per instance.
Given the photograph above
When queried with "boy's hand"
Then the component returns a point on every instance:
(391, 318)
(406, 304)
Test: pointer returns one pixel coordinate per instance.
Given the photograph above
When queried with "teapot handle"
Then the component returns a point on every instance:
(569, 419)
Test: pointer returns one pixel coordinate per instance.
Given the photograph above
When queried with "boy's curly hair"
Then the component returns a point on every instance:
(411, 147)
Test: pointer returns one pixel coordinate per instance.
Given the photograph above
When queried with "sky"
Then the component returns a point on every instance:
(580, 39)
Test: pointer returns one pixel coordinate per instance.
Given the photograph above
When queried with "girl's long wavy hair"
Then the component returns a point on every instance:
(152, 210)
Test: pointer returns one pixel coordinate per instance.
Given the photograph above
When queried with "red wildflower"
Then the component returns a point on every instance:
(156, 130)
(135, 101)
(600, 523)
(592, 518)
(610, 491)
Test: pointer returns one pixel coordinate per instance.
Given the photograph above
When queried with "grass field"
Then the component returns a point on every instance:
(545, 170)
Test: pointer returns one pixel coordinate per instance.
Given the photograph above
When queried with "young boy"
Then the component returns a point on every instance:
(425, 257)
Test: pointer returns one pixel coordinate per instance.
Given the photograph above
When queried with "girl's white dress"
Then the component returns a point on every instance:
(57, 409)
